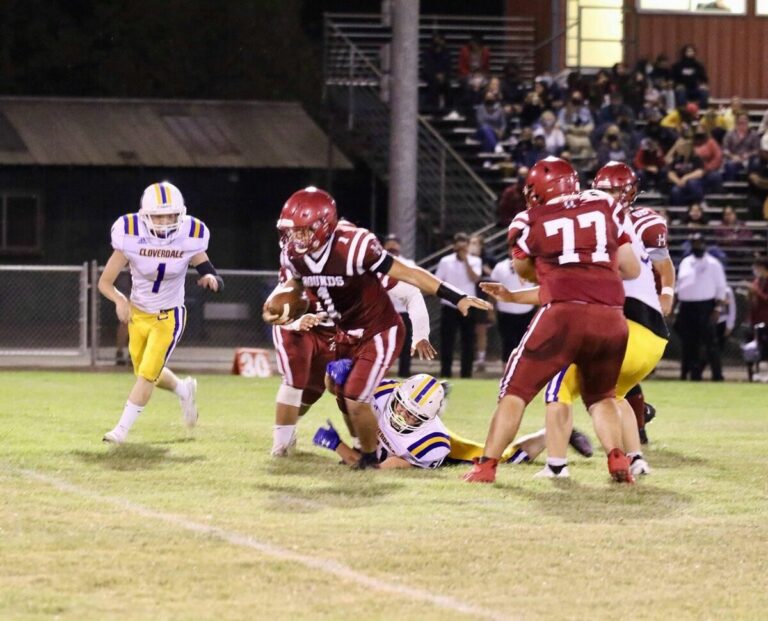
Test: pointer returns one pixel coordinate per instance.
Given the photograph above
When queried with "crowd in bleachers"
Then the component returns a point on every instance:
(657, 117)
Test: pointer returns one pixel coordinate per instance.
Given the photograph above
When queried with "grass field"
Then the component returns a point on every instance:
(207, 526)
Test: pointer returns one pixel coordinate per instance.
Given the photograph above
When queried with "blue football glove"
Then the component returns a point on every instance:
(339, 370)
(327, 438)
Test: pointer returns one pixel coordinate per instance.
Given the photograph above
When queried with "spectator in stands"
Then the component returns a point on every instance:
(554, 139)
(758, 293)
(437, 74)
(684, 114)
(714, 123)
(711, 155)
(620, 78)
(757, 178)
(575, 120)
(763, 124)
(529, 149)
(613, 147)
(667, 96)
(662, 71)
(513, 89)
(600, 90)
(740, 145)
(474, 71)
(533, 106)
(651, 103)
(701, 292)
(696, 216)
(663, 136)
(635, 90)
(730, 113)
(690, 78)
(731, 231)
(483, 318)
(463, 271)
(615, 112)
(491, 124)
(649, 164)
(685, 171)
(511, 319)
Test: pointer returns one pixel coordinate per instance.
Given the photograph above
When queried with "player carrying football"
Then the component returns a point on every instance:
(159, 243)
(339, 265)
(572, 244)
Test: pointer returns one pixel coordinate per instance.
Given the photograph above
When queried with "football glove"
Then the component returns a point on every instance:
(327, 438)
(339, 370)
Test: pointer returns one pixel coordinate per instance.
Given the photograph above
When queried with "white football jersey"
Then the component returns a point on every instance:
(643, 287)
(158, 267)
(425, 447)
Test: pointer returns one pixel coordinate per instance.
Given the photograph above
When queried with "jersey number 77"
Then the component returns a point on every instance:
(566, 226)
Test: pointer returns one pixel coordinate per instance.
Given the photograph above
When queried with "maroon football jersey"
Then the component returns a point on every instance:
(651, 228)
(573, 240)
(344, 279)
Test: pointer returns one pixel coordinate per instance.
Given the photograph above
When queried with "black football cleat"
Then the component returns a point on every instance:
(650, 413)
(580, 442)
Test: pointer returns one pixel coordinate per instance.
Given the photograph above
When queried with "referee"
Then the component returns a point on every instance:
(701, 292)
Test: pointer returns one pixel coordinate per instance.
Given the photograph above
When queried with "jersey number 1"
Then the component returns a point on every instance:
(159, 279)
(566, 226)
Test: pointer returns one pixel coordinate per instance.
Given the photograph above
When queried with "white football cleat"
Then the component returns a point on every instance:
(639, 466)
(188, 406)
(282, 450)
(547, 473)
(116, 436)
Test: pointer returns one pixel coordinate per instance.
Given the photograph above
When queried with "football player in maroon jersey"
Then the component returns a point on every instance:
(339, 265)
(573, 244)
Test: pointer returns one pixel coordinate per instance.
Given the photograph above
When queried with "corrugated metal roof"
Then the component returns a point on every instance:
(146, 132)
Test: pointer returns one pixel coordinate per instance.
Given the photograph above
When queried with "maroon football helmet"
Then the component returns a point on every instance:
(307, 221)
(619, 180)
(548, 179)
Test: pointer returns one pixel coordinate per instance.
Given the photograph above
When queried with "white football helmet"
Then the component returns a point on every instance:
(162, 199)
(422, 396)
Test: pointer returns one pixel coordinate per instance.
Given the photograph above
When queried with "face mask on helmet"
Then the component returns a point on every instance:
(298, 240)
(416, 401)
(162, 210)
(307, 221)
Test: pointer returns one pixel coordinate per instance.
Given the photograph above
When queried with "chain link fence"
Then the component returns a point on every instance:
(52, 314)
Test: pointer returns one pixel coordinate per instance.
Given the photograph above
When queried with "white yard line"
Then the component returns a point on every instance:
(312, 561)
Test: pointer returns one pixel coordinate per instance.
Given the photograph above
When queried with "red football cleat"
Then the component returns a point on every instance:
(618, 466)
(482, 472)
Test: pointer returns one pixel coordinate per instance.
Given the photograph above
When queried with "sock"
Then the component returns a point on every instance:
(181, 389)
(637, 401)
(282, 435)
(634, 455)
(518, 457)
(556, 464)
(131, 412)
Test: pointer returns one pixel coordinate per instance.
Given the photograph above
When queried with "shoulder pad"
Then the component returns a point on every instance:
(195, 228)
(127, 225)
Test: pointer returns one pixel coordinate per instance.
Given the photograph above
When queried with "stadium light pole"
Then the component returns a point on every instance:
(403, 132)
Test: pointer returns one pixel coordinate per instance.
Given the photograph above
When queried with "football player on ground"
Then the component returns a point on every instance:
(306, 346)
(573, 244)
(410, 430)
(648, 336)
(340, 265)
(159, 243)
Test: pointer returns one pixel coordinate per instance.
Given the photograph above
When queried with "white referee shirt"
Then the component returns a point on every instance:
(397, 302)
(700, 279)
(503, 273)
(454, 272)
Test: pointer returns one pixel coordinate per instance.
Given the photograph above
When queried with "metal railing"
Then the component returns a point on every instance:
(450, 196)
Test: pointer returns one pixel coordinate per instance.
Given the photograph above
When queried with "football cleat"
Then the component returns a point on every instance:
(547, 473)
(649, 413)
(116, 436)
(639, 466)
(618, 466)
(580, 442)
(482, 471)
(188, 406)
(283, 450)
(367, 461)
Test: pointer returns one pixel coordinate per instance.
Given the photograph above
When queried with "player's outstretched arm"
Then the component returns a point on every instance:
(519, 296)
(107, 285)
(428, 283)
(628, 263)
(209, 278)
(666, 270)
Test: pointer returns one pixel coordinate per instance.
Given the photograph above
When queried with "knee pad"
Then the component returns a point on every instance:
(288, 395)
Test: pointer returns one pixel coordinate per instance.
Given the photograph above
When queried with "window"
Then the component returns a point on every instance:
(761, 7)
(709, 7)
(20, 223)
(601, 31)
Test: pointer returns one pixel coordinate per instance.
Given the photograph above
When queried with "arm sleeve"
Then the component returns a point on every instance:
(517, 236)
(416, 308)
(371, 256)
(730, 321)
(721, 283)
(117, 235)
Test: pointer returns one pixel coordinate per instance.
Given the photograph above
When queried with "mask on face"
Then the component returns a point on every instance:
(474, 249)
(697, 252)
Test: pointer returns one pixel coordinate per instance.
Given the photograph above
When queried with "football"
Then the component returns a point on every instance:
(289, 302)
